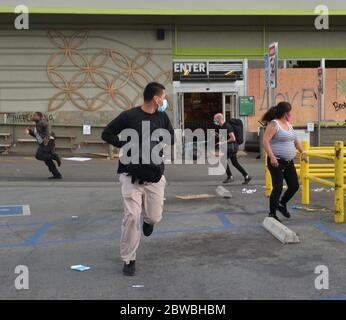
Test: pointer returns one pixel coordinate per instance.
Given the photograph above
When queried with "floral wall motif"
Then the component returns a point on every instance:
(94, 79)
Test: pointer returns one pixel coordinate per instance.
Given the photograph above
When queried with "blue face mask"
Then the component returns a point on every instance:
(163, 106)
(216, 123)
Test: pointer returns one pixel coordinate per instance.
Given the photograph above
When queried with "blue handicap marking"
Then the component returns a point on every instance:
(14, 210)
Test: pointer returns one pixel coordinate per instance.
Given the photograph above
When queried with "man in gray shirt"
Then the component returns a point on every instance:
(46, 150)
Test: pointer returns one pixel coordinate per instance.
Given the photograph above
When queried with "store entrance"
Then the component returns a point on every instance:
(200, 108)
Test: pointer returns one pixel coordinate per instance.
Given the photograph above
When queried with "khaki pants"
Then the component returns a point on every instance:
(138, 198)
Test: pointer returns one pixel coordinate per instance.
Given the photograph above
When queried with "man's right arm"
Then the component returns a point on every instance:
(31, 132)
(113, 129)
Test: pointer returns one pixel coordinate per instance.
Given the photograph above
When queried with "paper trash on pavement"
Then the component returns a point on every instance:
(195, 196)
(78, 159)
(248, 191)
(80, 268)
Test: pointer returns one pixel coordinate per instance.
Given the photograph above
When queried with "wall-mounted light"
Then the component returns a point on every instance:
(229, 73)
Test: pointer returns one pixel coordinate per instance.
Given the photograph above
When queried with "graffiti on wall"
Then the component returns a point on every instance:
(102, 79)
(339, 106)
(26, 117)
(304, 98)
(296, 86)
(341, 91)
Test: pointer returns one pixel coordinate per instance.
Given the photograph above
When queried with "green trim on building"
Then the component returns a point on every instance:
(175, 12)
(257, 53)
(221, 53)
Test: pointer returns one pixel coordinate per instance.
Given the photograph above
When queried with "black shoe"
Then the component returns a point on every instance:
(130, 268)
(273, 215)
(247, 180)
(56, 177)
(228, 180)
(283, 210)
(147, 229)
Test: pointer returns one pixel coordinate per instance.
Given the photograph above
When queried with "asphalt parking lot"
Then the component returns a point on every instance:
(202, 249)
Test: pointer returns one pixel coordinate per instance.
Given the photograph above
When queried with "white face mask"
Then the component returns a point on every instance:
(163, 106)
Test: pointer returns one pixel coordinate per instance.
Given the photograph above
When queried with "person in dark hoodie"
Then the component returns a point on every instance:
(46, 149)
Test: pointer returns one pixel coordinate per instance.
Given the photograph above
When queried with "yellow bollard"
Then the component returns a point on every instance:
(304, 171)
(339, 182)
(268, 177)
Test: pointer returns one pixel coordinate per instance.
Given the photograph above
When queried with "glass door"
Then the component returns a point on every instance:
(181, 117)
(230, 105)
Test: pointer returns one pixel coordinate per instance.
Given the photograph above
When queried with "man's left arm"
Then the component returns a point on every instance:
(170, 129)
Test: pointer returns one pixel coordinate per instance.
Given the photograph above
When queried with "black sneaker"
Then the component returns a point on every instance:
(283, 210)
(273, 215)
(130, 268)
(247, 180)
(56, 177)
(228, 180)
(147, 229)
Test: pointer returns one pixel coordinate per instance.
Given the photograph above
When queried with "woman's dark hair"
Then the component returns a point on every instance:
(276, 112)
(152, 89)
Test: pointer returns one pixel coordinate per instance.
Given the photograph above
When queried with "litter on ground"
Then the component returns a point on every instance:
(248, 191)
(78, 159)
(80, 268)
(195, 196)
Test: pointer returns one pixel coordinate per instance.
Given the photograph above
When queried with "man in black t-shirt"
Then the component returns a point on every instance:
(232, 149)
(139, 197)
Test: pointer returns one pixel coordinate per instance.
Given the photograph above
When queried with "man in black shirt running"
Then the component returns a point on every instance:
(139, 197)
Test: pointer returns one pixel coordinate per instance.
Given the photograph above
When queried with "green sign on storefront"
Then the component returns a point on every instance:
(246, 106)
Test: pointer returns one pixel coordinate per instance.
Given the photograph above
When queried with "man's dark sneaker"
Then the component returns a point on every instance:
(283, 210)
(56, 177)
(228, 180)
(147, 229)
(273, 215)
(129, 269)
(247, 179)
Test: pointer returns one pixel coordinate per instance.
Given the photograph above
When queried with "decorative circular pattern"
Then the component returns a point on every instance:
(108, 74)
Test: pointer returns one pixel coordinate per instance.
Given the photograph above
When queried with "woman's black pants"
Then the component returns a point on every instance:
(287, 171)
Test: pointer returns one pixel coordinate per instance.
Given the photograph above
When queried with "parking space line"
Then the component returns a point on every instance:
(225, 221)
(34, 239)
(334, 234)
(39, 233)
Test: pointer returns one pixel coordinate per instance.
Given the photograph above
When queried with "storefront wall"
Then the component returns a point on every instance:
(88, 72)
(80, 75)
